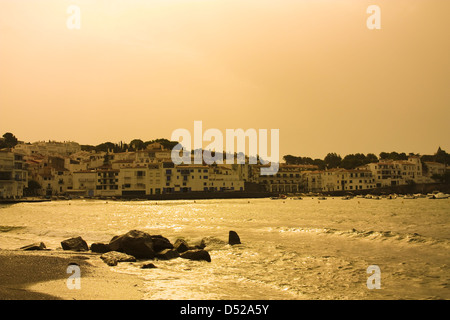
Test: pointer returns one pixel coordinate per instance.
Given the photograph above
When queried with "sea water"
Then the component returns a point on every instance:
(291, 249)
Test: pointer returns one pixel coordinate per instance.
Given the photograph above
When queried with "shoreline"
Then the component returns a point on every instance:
(42, 275)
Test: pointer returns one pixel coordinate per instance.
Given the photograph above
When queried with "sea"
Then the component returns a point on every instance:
(291, 249)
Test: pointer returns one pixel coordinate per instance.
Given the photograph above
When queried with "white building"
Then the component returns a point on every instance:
(397, 172)
(435, 168)
(347, 180)
(13, 176)
(84, 183)
(288, 179)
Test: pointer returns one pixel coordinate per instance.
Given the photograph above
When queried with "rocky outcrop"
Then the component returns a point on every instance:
(136, 243)
(181, 245)
(100, 247)
(160, 243)
(167, 254)
(75, 244)
(198, 255)
(111, 258)
(34, 246)
(233, 238)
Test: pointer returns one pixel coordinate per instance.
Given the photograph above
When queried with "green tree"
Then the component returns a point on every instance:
(105, 146)
(370, 158)
(137, 144)
(332, 160)
(10, 141)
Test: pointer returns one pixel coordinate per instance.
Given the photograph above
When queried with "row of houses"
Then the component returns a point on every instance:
(385, 173)
(66, 170)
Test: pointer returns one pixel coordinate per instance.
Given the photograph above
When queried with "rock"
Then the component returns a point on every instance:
(34, 246)
(160, 243)
(136, 243)
(233, 238)
(74, 244)
(111, 258)
(100, 248)
(198, 254)
(168, 254)
(148, 266)
(181, 245)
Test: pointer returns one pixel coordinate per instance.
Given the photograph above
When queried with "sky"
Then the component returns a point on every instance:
(310, 68)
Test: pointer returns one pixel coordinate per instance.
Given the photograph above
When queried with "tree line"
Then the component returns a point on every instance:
(352, 161)
(133, 145)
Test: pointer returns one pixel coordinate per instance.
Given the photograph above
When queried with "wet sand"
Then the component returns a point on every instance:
(42, 275)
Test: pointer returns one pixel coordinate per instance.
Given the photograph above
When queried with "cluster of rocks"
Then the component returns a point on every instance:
(140, 245)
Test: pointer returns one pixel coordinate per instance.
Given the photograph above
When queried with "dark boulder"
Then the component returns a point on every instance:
(34, 246)
(233, 238)
(100, 248)
(198, 254)
(136, 243)
(74, 244)
(181, 245)
(167, 254)
(148, 266)
(160, 243)
(113, 257)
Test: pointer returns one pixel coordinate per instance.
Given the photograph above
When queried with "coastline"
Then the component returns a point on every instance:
(42, 275)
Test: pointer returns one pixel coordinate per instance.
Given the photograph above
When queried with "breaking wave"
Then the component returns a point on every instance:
(371, 235)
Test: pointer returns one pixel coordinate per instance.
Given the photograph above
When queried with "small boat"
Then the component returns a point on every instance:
(321, 198)
(439, 195)
(369, 196)
(297, 198)
(281, 196)
(409, 197)
(347, 198)
(376, 198)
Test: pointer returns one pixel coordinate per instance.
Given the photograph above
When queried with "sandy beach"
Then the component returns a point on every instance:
(42, 275)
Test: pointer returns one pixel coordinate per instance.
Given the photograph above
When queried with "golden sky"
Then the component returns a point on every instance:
(311, 68)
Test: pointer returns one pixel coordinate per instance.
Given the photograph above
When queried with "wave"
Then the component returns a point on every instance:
(372, 235)
(10, 228)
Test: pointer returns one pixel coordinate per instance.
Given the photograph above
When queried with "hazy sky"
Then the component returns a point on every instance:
(311, 68)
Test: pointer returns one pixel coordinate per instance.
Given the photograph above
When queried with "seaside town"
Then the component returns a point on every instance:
(63, 170)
